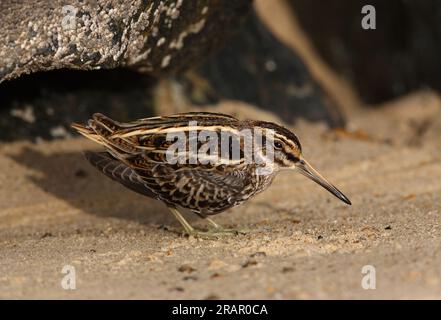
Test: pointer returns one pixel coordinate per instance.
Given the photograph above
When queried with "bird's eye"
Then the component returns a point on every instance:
(278, 144)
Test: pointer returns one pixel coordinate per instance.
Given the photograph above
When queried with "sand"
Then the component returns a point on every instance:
(57, 210)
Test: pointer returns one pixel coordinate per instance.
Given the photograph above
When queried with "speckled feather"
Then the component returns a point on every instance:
(135, 157)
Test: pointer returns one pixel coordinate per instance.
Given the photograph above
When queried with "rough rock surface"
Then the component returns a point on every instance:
(253, 66)
(150, 35)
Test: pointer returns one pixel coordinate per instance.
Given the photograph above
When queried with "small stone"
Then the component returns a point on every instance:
(186, 268)
(249, 263)
(163, 227)
(46, 235)
(217, 264)
(287, 269)
(258, 254)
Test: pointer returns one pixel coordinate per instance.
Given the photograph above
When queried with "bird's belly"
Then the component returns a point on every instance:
(211, 199)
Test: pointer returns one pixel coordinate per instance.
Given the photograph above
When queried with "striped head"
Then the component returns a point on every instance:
(287, 154)
(280, 143)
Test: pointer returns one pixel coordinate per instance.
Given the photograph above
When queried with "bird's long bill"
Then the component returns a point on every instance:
(308, 171)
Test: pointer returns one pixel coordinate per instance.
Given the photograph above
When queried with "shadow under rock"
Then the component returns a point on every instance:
(45, 104)
(69, 177)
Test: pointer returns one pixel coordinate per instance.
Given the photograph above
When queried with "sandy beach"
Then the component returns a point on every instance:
(57, 210)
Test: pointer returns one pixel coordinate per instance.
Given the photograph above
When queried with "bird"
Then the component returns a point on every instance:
(199, 161)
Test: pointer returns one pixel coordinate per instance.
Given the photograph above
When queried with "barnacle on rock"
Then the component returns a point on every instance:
(150, 35)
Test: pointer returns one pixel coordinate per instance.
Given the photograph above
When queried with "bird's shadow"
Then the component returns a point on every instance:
(68, 176)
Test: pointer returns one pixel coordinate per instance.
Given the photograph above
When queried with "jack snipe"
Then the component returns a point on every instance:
(205, 162)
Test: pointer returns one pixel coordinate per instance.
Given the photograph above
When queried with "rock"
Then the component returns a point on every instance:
(151, 36)
(148, 40)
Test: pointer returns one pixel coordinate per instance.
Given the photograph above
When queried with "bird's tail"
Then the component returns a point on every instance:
(87, 132)
(103, 125)
(98, 129)
(101, 129)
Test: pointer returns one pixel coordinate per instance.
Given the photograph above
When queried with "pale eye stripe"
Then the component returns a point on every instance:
(283, 138)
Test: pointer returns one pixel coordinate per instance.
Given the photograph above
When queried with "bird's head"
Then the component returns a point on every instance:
(287, 154)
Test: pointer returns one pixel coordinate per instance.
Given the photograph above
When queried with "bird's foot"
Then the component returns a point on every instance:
(216, 233)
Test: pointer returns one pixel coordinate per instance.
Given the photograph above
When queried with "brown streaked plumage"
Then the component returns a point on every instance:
(137, 153)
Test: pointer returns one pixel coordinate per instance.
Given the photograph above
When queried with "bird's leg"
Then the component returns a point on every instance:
(219, 229)
(187, 227)
(216, 232)
(214, 224)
